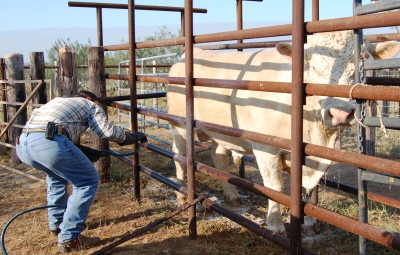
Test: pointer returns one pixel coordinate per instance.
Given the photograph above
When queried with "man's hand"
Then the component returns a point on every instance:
(92, 154)
(134, 137)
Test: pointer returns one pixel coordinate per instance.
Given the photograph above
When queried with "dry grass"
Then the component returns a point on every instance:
(115, 213)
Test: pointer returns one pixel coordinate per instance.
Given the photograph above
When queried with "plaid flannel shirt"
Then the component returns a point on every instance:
(76, 115)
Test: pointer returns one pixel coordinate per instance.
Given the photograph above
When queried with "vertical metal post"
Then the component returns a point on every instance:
(315, 17)
(315, 10)
(99, 26)
(362, 185)
(133, 96)
(182, 29)
(297, 149)
(190, 115)
(239, 14)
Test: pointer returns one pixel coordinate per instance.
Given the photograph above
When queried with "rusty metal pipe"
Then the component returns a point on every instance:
(353, 190)
(252, 226)
(350, 23)
(140, 96)
(338, 220)
(180, 41)
(137, 7)
(351, 158)
(352, 225)
(380, 165)
(386, 19)
(189, 72)
(359, 92)
(149, 226)
(296, 142)
(132, 92)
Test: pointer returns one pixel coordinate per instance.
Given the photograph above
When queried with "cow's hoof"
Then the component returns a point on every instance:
(309, 231)
(281, 233)
(200, 208)
(235, 201)
(181, 201)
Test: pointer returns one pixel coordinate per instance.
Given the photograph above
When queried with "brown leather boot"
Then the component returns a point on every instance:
(55, 232)
(81, 242)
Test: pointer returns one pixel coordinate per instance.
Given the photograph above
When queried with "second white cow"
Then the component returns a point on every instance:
(329, 59)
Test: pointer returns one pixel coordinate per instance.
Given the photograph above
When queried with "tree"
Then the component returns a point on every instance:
(81, 57)
(115, 57)
(81, 50)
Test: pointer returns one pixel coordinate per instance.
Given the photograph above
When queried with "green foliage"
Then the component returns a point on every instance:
(114, 58)
(161, 34)
(81, 57)
(81, 50)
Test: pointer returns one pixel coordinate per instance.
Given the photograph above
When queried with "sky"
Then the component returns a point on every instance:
(35, 25)
(39, 14)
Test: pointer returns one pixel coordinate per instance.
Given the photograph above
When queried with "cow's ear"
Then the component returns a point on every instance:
(284, 49)
(383, 50)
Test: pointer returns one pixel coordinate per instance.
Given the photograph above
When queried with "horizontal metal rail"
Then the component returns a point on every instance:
(358, 92)
(381, 64)
(140, 96)
(383, 81)
(352, 225)
(377, 7)
(243, 221)
(380, 165)
(329, 25)
(137, 7)
(395, 203)
(270, 44)
(373, 177)
(391, 123)
(151, 225)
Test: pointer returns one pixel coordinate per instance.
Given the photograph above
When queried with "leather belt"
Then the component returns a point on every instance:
(40, 130)
(33, 130)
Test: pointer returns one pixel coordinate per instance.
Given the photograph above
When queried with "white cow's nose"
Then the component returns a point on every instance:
(341, 117)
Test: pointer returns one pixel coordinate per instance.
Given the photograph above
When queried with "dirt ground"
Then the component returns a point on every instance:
(115, 214)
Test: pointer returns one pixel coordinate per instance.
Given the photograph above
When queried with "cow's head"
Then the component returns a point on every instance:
(329, 57)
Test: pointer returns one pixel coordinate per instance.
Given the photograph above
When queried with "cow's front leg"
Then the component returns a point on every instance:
(312, 173)
(309, 222)
(270, 166)
(179, 147)
(221, 161)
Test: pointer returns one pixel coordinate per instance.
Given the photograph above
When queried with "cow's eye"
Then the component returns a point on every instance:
(315, 70)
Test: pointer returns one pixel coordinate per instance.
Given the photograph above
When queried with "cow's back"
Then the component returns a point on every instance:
(235, 108)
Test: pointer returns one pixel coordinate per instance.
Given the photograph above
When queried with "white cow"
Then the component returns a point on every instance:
(329, 59)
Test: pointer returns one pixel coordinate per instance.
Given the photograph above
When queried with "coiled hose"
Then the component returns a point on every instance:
(3, 233)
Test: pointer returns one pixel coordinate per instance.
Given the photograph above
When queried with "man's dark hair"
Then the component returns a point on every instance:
(85, 94)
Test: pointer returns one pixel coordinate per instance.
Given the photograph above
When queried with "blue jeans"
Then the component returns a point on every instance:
(63, 163)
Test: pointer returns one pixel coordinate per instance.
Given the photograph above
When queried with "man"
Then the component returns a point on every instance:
(46, 143)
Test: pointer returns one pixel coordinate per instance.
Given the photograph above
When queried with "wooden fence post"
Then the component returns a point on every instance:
(68, 82)
(57, 89)
(97, 85)
(15, 93)
(37, 68)
(3, 94)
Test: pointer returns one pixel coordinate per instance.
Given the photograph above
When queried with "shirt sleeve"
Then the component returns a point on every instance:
(99, 124)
